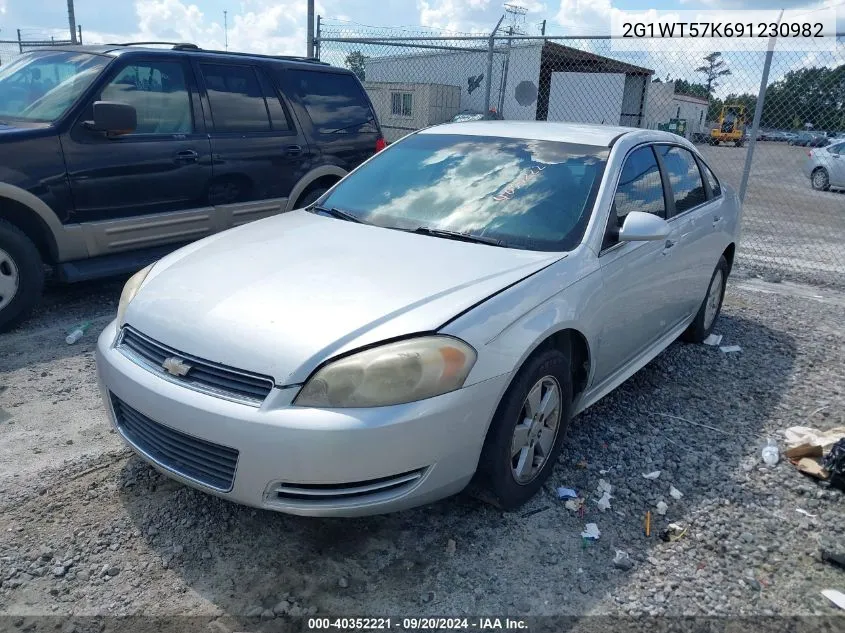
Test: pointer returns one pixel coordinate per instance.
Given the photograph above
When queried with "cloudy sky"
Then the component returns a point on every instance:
(278, 26)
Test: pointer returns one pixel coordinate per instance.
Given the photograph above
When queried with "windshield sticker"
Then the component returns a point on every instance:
(523, 180)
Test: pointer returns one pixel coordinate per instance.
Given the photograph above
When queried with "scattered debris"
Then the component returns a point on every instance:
(652, 475)
(343, 583)
(770, 453)
(730, 349)
(805, 441)
(810, 466)
(76, 333)
(837, 558)
(531, 513)
(805, 513)
(622, 561)
(574, 504)
(675, 493)
(648, 523)
(591, 532)
(581, 464)
(566, 493)
(604, 486)
(673, 532)
(604, 502)
(451, 546)
(713, 339)
(679, 418)
(834, 464)
(662, 508)
(836, 597)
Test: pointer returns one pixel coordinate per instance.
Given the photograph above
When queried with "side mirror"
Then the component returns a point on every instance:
(643, 227)
(113, 117)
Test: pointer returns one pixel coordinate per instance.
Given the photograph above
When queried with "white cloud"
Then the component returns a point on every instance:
(452, 15)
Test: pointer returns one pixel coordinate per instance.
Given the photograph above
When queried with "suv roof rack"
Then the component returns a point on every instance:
(187, 46)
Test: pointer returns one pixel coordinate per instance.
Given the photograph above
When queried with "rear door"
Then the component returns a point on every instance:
(640, 280)
(338, 112)
(258, 153)
(834, 158)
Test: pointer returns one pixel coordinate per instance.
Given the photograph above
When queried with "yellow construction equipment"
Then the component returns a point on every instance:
(731, 126)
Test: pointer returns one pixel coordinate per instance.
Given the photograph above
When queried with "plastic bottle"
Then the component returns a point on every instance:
(770, 453)
(77, 332)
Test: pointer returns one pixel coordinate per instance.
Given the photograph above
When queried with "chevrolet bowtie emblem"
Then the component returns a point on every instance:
(176, 366)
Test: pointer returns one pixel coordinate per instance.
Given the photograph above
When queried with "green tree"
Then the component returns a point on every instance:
(692, 89)
(809, 95)
(713, 70)
(355, 62)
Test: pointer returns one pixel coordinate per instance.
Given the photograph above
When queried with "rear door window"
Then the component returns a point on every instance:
(684, 177)
(236, 99)
(335, 102)
(715, 187)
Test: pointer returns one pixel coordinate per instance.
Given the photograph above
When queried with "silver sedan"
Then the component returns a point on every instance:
(434, 319)
(825, 167)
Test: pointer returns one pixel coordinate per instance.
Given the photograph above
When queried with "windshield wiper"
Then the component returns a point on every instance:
(338, 213)
(457, 235)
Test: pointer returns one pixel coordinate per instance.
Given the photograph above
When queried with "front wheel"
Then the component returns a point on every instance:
(527, 432)
(705, 319)
(820, 179)
(21, 275)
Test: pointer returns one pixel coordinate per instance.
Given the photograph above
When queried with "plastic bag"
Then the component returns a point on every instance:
(834, 464)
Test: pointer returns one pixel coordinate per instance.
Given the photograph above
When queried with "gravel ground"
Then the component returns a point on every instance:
(88, 529)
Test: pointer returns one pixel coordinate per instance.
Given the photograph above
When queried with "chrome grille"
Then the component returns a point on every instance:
(206, 463)
(202, 375)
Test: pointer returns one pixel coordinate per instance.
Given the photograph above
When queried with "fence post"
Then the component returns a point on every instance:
(20, 42)
(79, 28)
(505, 70)
(309, 37)
(758, 112)
(317, 41)
(488, 75)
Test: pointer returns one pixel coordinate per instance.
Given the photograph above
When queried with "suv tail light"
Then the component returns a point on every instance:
(380, 144)
(810, 154)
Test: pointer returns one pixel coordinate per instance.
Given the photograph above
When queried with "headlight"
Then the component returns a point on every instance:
(129, 292)
(391, 374)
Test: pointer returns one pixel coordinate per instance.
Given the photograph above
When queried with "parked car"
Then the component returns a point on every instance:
(114, 155)
(439, 315)
(809, 139)
(825, 167)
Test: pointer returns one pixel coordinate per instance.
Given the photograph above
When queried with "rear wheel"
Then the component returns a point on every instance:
(526, 434)
(702, 325)
(21, 275)
(820, 179)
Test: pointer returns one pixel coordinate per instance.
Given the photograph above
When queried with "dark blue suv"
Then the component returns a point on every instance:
(113, 155)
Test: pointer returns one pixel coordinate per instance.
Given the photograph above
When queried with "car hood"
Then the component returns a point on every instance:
(279, 296)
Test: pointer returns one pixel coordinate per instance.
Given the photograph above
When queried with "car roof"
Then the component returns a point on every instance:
(577, 133)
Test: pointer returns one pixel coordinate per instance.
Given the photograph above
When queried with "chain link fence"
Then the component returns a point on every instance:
(794, 216)
(11, 49)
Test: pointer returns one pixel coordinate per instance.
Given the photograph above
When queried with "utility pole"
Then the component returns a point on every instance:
(309, 35)
(71, 21)
(226, 29)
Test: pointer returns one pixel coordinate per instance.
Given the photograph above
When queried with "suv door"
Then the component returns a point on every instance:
(639, 279)
(164, 166)
(697, 221)
(258, 153)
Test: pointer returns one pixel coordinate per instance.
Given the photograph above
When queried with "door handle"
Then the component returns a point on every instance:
(716, 219)
(186, 156)
(294, 150)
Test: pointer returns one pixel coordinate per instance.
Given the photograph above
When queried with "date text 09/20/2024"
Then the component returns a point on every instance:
(417, 624)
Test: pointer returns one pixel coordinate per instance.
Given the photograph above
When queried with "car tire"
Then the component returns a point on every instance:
(21, 276)
(702, 326)
(820, 179)
(497, 480)
(309, 197)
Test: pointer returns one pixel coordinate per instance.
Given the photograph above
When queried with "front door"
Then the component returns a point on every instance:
(259, 153)
(121, 184)
(640, 280)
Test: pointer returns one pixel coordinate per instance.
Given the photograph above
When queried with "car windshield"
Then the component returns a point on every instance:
(528, 194)
(42, 86)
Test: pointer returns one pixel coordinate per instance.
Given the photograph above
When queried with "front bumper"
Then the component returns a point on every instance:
(327, 457)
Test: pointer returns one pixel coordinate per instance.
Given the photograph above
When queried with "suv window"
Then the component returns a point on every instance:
(236, 99)
(715, 187)
(640, 186)
(335, 102)
(278, 112)
(684, 177)
(159, 94)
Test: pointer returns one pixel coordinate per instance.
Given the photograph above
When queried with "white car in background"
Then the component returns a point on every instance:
(436, 317)
(825, 166)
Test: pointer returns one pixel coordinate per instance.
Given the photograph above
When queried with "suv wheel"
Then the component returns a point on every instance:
(21, 275)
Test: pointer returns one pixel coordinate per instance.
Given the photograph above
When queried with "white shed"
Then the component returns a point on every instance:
(664, 104)
(402, 108)
(539, 81)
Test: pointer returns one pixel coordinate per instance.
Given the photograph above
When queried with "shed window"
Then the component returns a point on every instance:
(402, 103)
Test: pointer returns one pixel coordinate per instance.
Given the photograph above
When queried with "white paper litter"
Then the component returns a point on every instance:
(652, 475)
(604, 503)
(591, 531)
(604, 486)
(675, 493)
(730, 348)
(566, 493)
(836, 597)
(572, 504)
(713, 339)
(798, 435)
(805, 513)
(662, 508)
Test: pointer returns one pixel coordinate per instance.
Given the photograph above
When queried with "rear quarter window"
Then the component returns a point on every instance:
(335, 102)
